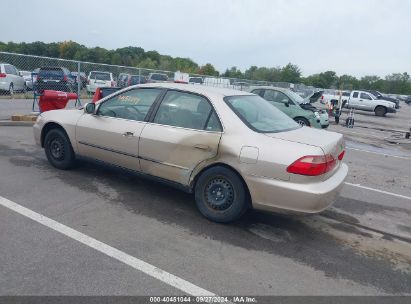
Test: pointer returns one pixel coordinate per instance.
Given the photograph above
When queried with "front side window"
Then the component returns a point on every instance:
(276, 96)
(365, 96)
(132, 104)
(187, 110)
(259, 92)
(259, 115)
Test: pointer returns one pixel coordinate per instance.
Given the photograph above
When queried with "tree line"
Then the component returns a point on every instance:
(396, 83)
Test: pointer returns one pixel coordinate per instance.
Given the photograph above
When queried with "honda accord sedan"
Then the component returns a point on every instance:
(233, 150)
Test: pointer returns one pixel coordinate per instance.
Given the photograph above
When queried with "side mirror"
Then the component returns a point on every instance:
(90, 108)
(287, 104)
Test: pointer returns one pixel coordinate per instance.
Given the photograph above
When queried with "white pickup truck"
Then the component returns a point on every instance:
(365, 101)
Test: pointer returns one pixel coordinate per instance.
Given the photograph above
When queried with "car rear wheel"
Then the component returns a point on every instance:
(380, 111)
(220, 195)
(58, 149)
(302, 121)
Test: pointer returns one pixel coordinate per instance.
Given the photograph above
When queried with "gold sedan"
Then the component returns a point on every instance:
(232, 149)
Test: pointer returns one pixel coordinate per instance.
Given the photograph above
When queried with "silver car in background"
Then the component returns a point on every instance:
(28, 79)
(10, 79)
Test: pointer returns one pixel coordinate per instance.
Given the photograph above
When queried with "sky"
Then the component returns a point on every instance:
(356, 37)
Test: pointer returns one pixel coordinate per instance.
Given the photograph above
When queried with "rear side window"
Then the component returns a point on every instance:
(187, 110)
(258, 92)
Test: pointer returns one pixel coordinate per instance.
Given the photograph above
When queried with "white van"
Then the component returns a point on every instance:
(98, 79)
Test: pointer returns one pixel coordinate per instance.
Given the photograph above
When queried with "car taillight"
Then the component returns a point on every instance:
(341, 155)
(312, 165)
(322, 97)
(112, 84)
(65, 78)
(2, 75)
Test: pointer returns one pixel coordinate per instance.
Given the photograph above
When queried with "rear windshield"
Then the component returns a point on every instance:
(100, 76)
(136, 80)
(196, 80)
(259, 115)
(159, 77)
(51, 73)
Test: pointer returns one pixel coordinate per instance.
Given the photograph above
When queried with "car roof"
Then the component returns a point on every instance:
(269, 87)
(204, 90)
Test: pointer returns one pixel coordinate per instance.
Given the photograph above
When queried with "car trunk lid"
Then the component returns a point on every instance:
(331, 143)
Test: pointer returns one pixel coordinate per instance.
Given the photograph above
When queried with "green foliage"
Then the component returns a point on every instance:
(208, 69)
(399, 83)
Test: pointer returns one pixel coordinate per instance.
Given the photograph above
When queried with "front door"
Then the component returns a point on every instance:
(280, 100)
(112, 134)
(366, 101)
(184, 132)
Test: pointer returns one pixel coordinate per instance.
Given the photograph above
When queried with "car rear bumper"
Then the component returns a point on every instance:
(4, 85)
(287, 197)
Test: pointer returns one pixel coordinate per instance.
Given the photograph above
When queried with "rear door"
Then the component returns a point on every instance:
(184, 132)
(112, 134)
(353, 102)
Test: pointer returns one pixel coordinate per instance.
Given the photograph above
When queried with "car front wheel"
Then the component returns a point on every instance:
(302, 121)
(220, 195)
(58, 149)
(380, 111)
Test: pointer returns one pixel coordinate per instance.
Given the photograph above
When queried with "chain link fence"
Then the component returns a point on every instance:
(31, 75)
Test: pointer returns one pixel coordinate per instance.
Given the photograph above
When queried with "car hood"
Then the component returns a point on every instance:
(330, 142)
(313, 97)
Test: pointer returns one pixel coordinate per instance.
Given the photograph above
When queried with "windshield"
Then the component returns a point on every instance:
(294, 96)
(259, 115)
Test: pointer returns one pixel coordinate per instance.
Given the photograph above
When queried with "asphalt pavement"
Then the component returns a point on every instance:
(360, 246)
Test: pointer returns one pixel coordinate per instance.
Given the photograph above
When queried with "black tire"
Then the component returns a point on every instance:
(380, 111)
(58, 149)
(302, 121)
(221, 195)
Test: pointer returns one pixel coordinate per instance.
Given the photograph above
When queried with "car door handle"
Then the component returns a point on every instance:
(128, 134)
(201, 147)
